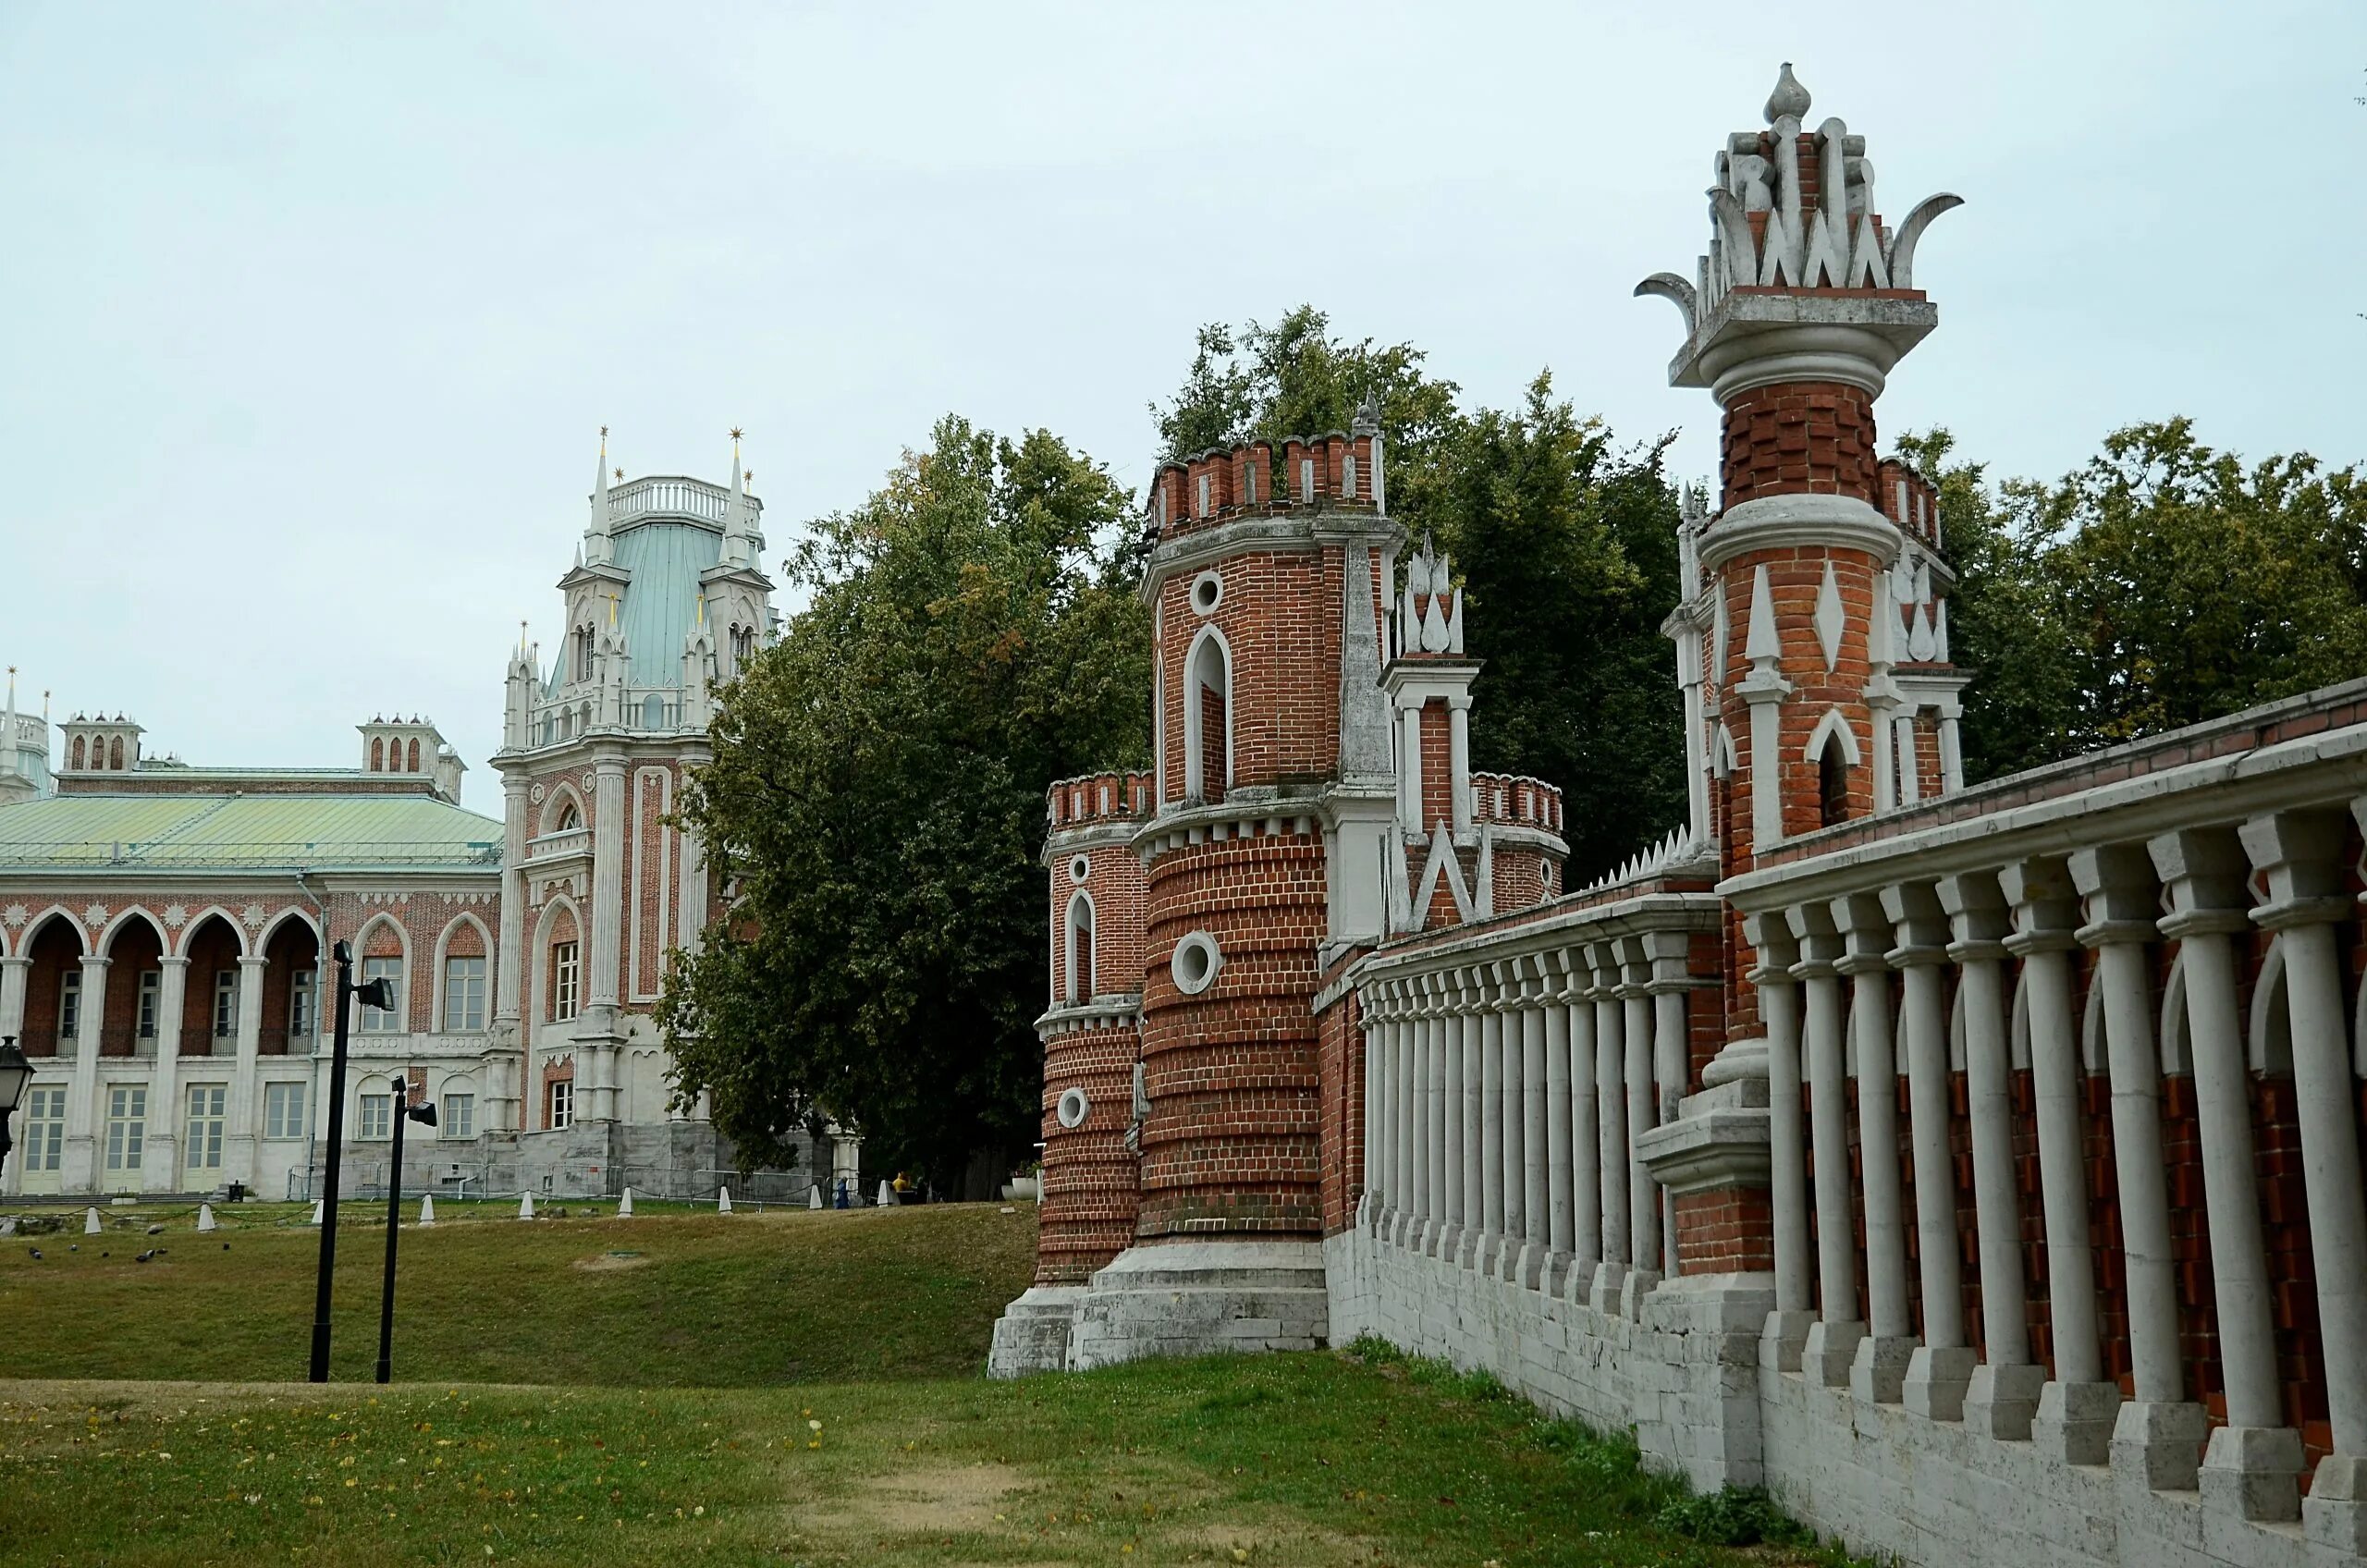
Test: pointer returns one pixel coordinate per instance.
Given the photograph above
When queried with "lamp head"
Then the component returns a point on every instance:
(342, 953)
(14, 1073)
(378, 993)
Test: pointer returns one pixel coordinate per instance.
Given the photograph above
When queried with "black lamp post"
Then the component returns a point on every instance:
(404, 1111)
(14, 1073)
(379, 993)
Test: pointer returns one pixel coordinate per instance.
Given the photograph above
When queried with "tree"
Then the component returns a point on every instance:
(875, 810)
(1567, 544)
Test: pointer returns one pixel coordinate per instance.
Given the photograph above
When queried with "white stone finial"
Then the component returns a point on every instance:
(1789, 97)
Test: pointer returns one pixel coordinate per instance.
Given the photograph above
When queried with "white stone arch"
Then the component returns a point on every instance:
(1833, 723)
(302, 916)
(32, 929)
(555, 805)
(435, 979)
(362, 951)
(1209, 645)
(1076, 986)
(538, 965)
(2177, 1034)
(179, 947)
(104, 945)
(2269, 1040)
(1723, 758)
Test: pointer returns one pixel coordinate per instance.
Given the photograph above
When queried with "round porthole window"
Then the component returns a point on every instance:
(1074, 1109)
(1207, 593)
(1195, 964)
(1079, 868)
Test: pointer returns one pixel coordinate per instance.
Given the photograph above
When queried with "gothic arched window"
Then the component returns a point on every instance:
(1831, 783)
(114, 753)
(414, 757)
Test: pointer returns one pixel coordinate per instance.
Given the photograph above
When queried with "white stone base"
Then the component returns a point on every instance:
(1193, 1298)
(1032, 1335)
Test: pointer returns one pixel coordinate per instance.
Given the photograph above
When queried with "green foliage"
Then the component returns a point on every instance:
(2161, 585)
(1732, 1516)
(876, 810)
(1567, 542)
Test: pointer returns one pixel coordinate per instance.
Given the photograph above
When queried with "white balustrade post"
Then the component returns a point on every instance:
(1488, 1216)
(1454, 1216)
(1831, 1348)
(2003, 1395)
(2299, 852)
(1512, 1171)
(1586, 1137)
(2077, 1407)
(1610, 1104)
(1670, 952)
(1479, 999)
(1413, 1000)
(1535, 1201)
(1420, 1149)
(1643, 1114)
(1787, 1180)
(2252, 1467)
(2159, 1434)
(1439, 1038)
(1560, 1220)
(1373, 1028)
(1879, 1375)
(1940, 1370)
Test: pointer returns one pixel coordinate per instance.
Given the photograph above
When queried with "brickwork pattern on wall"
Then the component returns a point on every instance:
(1280, 618)
(1091, 1178)
(1799, 437)
(1728, 1230)
(1232, 1142)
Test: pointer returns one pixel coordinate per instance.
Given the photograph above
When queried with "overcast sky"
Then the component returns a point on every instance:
(310, 314)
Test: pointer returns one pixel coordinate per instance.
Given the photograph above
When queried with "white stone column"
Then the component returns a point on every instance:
(2298, 853)
(1369, 1123)
(1831, 1348)
(2002, 1394)
(1409, 764)
(1882, 702)
(1561, 1172)
(1951, 747)
(1405, 1148)
(13, 973)
(1787, 1181)
(1431, 1171)
(2078, 1406)
(1672, 1054)
(1879, 1375)
(2159, 1435)
(1537, 1127)
(606, 966)
(1586, 1135)
(1458, 738)
(1643, 1113)
(160, 1160)
(1478, 1002)
(1454, 1217)
(1487, 1213)
(1911, 770)
(1610, 1103)
(2252, 1467)
(240, 1140)
(1940, 1369)
(1514, 1169)
(505, 1078)
(81, 1171)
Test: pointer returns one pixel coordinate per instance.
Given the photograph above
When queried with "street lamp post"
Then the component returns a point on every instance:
(14, 1073)
(380, 994)
(404, 1111)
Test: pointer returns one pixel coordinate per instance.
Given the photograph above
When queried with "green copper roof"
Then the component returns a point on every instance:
(252, 832)
(665, 559)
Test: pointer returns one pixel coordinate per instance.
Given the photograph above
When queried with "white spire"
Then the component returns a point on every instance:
(743, 541)
(8, 727)
(597, 541)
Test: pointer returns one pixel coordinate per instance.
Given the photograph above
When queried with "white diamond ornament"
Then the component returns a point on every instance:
(1830, 619)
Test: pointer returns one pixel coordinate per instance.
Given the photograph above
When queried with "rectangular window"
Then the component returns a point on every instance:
(383, 1021)
(567, 977)
(300, 1005)
(45, 1128)
(225, 1004)
(69, 1004)
(149, 982)
(283, 1111)
(127, 1124)
(207, 1107)
(463, 994)
(459, 1117)
(376, 1118)
(562, 1105)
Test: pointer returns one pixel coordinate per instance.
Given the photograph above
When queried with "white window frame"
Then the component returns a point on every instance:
(151, 1003)
(46, 1127)
(207, 1119)
(127, 1126)
(558, 1104)
(458, 1118)
(373, 1119)
(469, 1018)
(225, 1004)
(392, 1021)
(69, 1003)
(299, 1003)
(567, 981)
(283, 1102)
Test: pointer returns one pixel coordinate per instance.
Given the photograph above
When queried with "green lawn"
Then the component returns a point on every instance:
(784, 1388)
(740, 1300)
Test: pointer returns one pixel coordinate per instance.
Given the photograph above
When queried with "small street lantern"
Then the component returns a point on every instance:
(14, 1073)
(379, 993)
(404, 1111)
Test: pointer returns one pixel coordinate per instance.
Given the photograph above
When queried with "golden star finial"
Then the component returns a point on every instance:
(735, 433)
(620, 473)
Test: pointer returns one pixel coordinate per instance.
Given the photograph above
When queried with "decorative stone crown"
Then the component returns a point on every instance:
(1429, 607)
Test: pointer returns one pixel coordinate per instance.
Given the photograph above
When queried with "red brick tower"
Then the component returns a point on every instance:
(1804, 302)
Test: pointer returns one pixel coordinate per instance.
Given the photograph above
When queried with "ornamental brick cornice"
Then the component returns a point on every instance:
(1798, 521)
